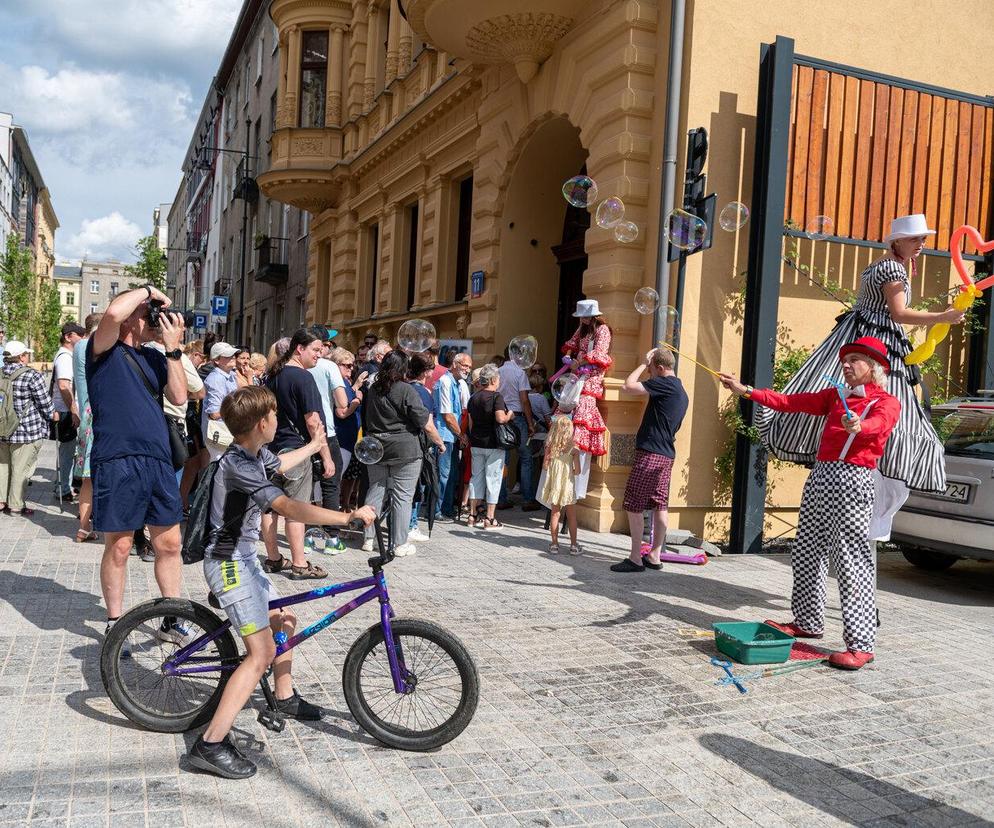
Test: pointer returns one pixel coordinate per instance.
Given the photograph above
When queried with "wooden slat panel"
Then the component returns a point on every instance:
(791, 155)
(847, 163)
(816, 147)
(833, 140)
(961, 188)
(946, 182)
(905, 175)
(878, 166)
(864, 154)
(976, 175)
(933, 190)
(892, 164)
(802, 124)
(920, 171)
(984, 220)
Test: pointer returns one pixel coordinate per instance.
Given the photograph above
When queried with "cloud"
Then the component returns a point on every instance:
(109, 236)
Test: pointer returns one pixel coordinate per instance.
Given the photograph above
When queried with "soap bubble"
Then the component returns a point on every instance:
(580, 191)
(369, 450)
(416, 335)
(315, 538)
(820, 227)
(686, 231)
(626, 231)
(558, 388)
(670, 324)
(523, 351)
(646, 300)
(609, 212)
(733, 216)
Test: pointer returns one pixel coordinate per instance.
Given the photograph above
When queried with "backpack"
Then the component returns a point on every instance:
(10, 419)
(197, 533)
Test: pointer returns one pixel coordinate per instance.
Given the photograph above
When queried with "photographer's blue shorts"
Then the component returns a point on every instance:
(132, 492)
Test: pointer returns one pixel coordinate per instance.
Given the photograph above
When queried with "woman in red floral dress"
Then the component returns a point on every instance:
(589, 348)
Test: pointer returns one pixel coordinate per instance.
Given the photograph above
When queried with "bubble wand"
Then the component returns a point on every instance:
(711, 371)
(839, 386)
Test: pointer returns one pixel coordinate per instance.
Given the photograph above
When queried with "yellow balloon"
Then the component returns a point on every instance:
(964, 299)
(921, 353)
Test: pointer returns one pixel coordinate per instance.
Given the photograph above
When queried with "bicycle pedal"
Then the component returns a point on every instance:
(272, 720)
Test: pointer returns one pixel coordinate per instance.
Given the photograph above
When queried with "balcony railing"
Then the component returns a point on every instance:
(245, 185)
(273, 266)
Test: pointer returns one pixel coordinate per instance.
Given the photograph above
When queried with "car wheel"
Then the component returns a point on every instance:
(927, 559)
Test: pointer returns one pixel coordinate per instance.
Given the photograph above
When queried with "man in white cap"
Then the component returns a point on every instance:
(219, 383)
(25, 411)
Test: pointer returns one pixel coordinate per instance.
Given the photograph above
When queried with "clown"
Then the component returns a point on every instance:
(837, 504)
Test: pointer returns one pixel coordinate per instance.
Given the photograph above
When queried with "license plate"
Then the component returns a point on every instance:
(960, 492)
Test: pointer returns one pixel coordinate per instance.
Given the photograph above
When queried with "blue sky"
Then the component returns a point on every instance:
(108, 91)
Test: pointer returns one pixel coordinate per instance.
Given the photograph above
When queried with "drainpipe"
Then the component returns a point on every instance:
(667, 193)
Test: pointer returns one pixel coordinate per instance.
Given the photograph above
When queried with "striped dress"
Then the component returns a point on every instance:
(914, 453)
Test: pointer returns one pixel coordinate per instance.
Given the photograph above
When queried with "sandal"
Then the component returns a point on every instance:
(82, 536)
(574, 549)
(627, 566)
(492, 523)
(553, 548)
(276, 566)
(470, 522)
(309, 572)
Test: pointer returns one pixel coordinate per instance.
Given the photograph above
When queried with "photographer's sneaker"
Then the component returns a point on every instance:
(171, 630)
(368, 545)
(417, 535)
(404, 550)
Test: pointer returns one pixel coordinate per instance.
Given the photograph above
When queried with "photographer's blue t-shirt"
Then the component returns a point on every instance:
(127, 419)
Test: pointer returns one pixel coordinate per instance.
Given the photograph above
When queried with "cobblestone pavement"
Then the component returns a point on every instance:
(598, 704)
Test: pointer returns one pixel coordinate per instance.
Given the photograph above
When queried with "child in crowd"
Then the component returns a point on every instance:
(242, 490)
(561, 465)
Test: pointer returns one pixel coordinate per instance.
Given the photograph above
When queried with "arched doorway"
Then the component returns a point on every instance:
(542, 257)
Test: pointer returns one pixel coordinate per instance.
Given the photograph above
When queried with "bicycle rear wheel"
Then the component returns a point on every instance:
(443, 686)
(136, 683)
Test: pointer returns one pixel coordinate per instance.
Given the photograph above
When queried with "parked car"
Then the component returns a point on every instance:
(936, 530)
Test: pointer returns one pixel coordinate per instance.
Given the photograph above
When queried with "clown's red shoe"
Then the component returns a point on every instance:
(850, 659)
(793, 629)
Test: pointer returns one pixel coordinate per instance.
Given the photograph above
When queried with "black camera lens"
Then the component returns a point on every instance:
(154, 312)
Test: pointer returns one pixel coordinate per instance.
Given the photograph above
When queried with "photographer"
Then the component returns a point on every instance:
(134, 483)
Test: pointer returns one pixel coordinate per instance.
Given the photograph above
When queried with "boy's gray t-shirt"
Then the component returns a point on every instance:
(242, 487)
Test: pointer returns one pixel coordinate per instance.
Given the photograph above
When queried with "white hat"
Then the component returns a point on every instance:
(907, 227)
(586, 308)
(222, 349)
(14, 348)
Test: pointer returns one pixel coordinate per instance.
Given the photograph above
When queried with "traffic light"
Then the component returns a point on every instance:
(694, 186)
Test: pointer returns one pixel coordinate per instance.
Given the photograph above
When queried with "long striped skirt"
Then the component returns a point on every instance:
(913, 453)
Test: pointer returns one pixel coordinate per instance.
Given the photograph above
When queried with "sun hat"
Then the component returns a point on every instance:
(222, 349)
(587, 308)
(15, 348)
(868, 346)
(907, 227)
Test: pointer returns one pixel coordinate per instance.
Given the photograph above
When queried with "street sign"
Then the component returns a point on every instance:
(219, 309)
(200, 321)
(476, 284)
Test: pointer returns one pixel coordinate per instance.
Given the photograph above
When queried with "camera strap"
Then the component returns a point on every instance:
(134, 364)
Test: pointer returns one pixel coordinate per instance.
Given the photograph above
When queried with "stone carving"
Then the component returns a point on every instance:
(462, 325)
(307, 146)
(284, 116)
(334, 107)
(525, 39)
(622, 449)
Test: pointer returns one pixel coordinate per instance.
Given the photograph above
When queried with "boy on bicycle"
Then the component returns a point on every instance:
(242, 491)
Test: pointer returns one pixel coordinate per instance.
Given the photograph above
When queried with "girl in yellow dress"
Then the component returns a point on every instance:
(561, 465)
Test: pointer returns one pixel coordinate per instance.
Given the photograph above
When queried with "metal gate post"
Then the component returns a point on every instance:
(769, 187)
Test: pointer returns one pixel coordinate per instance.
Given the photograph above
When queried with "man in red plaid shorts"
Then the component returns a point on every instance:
(649, 480)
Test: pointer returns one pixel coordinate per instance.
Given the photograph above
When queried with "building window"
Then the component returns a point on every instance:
(70, 297)
(373, 240)
(94, 288)
(259, 52)
(272, 119)
(463, 230)
(93, 307)
(113, 288)
(313, 78)
(412, 254)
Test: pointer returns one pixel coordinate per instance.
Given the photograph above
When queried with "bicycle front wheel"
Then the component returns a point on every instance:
(142, 641)
(442, 686)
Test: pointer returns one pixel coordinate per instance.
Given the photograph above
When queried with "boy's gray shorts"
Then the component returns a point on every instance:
(243, 590)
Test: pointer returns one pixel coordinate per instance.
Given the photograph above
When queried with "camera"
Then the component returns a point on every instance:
(155, 310)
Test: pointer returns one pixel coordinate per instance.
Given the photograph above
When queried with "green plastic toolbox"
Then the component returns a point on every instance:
(749, 642)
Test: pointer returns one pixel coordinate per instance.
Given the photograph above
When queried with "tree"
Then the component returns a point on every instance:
(16, 290)
(47, 320)
(150, 269)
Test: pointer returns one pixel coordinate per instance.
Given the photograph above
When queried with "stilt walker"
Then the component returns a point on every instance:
(837, 505)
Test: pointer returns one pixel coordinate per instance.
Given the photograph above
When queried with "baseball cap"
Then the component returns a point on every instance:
(15, 348)
(222, 349)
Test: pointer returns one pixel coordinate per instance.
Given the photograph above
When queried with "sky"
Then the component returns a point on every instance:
(108, 92)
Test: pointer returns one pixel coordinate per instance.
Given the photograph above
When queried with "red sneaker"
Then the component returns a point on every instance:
(793, 629)
(850, 659)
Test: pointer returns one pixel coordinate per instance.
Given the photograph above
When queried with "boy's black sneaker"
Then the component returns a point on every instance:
(221, 758)
(296, 707)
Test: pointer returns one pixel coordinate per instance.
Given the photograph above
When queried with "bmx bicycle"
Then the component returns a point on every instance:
(409, 683)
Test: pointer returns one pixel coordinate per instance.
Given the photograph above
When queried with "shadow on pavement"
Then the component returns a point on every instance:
(814, 781)
(49, 606)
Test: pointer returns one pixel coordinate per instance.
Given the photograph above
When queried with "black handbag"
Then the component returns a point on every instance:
(177, 439)
(506, 434)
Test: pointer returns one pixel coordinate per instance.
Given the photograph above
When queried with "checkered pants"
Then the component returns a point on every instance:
(836, 510)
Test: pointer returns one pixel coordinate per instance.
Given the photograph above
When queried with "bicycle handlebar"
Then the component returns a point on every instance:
(386, 549)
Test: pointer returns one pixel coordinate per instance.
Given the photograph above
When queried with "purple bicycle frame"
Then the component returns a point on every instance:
(375, 586)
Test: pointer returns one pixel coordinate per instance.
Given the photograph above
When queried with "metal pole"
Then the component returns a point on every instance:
(674, 84)
(241, 289)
